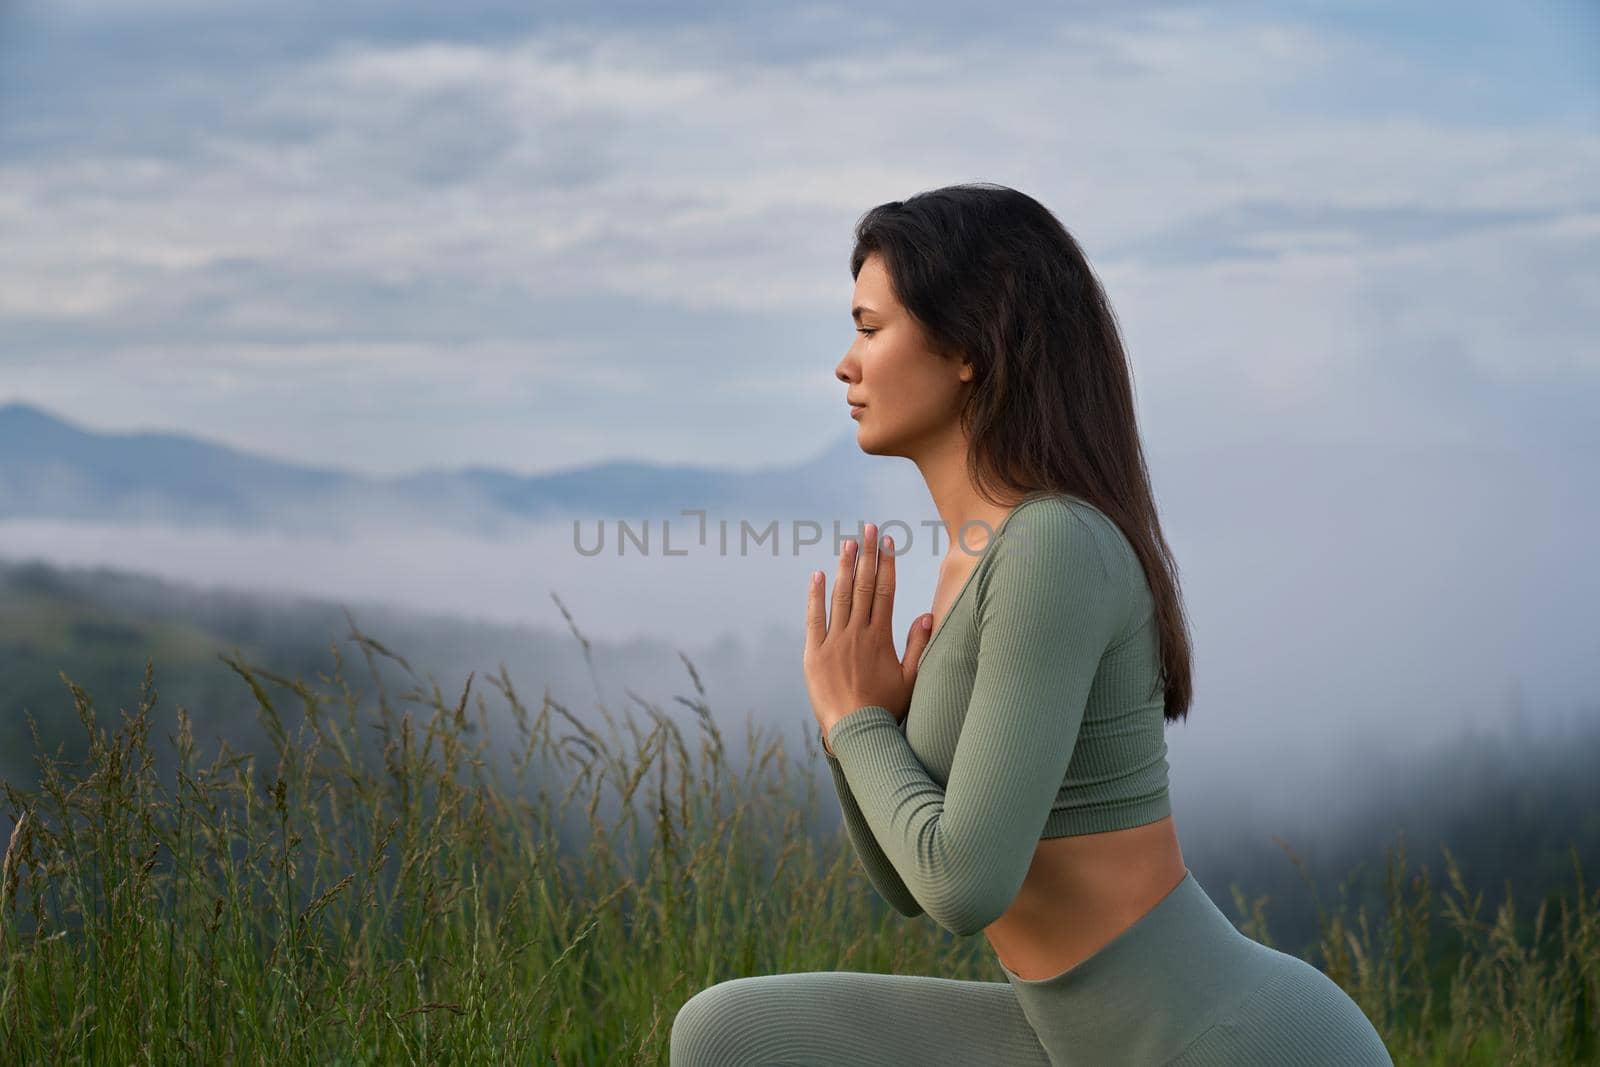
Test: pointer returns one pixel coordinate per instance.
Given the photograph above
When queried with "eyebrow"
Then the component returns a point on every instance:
(855, 312)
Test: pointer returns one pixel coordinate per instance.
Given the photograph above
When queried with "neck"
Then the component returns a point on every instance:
(944, 468)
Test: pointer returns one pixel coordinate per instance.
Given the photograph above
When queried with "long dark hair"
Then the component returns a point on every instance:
(992, 275)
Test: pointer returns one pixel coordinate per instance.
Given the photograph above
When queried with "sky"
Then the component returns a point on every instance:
(392, 236)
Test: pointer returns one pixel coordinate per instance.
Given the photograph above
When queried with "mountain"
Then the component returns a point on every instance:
(53, 468)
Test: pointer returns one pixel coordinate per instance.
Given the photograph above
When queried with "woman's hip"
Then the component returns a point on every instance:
(1181, 973)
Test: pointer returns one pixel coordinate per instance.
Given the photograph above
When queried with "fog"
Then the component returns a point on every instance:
(1345, 603)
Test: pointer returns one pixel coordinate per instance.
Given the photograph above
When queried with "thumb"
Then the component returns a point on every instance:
(916, 641)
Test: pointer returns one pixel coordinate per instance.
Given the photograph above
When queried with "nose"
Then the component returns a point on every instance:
(846, 369)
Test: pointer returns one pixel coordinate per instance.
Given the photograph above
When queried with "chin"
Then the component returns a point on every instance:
(873, 445)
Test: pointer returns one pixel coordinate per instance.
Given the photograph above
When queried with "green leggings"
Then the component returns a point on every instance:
(1181, 987)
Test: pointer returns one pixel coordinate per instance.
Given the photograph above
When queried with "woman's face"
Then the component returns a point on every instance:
(911, 396)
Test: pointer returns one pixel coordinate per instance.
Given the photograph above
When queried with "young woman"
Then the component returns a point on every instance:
(1009, 775)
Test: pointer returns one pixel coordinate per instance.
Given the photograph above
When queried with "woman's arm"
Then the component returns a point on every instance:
(1047, 608)
(880, 872)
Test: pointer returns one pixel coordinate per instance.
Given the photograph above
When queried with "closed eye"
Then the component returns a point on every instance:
(865, 330)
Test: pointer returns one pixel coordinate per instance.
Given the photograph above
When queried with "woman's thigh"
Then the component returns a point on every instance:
(852, 1017)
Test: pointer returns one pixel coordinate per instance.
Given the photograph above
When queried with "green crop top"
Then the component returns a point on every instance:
(1037, 712)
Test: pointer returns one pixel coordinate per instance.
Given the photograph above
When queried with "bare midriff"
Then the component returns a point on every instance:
(1080, 892)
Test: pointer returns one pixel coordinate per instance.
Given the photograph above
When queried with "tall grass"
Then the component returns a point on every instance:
(416, 878)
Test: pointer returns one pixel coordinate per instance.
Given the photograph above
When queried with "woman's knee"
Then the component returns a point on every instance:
(712, 1027)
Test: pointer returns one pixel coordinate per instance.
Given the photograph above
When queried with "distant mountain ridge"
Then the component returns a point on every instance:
(52, 468)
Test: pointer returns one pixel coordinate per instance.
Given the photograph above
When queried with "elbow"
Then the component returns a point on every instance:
(968, 916)
(961, 923)
(900, 899)
(971, 901)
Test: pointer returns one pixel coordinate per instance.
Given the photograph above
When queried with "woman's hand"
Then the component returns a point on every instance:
(850, 659)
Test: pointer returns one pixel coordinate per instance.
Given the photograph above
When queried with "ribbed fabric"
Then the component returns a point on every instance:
(854, 1019)
(1183, 986)
(1180, 987)
(1037, 713)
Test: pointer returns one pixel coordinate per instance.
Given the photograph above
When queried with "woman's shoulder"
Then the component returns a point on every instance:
(1054, 531)
(1055, 558)
(1064, 522)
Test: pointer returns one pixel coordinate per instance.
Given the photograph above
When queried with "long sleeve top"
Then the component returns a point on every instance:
(1037, 712)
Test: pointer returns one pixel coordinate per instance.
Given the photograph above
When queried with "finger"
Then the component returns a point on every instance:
(861, 601)
(816, 610)
(916, 641)
(883, 598)
(843, 582)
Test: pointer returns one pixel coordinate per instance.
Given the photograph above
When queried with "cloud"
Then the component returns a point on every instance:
(502, 217)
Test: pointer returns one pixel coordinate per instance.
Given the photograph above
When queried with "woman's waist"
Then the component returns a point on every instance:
(1081, 891)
